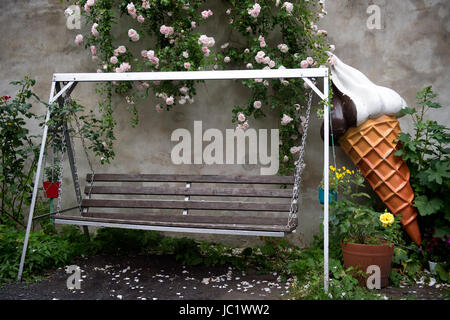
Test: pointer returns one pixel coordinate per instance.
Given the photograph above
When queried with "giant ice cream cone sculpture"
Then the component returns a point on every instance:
(371, 147)
(371, 142)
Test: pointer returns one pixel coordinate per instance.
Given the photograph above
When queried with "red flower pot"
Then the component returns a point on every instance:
(51, 189)
(363, 255)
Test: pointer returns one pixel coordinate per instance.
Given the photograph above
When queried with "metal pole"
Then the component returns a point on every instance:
(70, 155)
(36, 185)
(326, 150)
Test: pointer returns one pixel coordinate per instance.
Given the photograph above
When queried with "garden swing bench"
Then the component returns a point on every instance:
(120, 196)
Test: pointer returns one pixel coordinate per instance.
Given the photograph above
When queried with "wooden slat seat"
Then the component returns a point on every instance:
(131, 195)
(189, 221)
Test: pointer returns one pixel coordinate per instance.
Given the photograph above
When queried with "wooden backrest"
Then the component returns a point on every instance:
(190, 185)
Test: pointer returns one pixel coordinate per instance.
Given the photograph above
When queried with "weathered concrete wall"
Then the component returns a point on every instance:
(409, 52)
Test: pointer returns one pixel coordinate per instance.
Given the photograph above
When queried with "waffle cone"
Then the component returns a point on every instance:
(371, 147)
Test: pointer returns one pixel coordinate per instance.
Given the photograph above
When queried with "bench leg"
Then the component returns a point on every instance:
(86, 232)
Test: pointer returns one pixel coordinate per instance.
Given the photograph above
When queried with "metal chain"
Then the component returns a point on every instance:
(91, 183)
(61, 169)
(299, 166)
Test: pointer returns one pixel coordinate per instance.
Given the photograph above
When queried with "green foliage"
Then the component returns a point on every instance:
(352, 222)
(45, 251)
(18, 154)
(97, 132)
(427, 153)
(52, 173)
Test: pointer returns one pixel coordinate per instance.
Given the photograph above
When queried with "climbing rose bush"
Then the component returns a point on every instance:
(270, 34)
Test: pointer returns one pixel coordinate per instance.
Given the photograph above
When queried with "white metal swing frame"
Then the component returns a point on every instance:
(69, 79)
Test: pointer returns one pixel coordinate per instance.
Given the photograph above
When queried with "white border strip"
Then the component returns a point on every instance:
(170, 229)
(192, 75)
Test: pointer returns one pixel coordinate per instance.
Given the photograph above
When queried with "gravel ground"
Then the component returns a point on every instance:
(151, 278)
(154, 277)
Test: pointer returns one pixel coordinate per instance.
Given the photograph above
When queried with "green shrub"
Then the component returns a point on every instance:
(45, 251)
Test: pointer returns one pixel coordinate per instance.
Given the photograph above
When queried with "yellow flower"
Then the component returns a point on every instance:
(386, 218)
(348, 171)
(343, 168)
(332, 168)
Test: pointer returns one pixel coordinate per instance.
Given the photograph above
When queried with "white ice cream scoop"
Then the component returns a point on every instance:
(371, 101)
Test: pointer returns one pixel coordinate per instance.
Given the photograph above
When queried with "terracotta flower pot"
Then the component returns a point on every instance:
(51, 189)
(363, 255)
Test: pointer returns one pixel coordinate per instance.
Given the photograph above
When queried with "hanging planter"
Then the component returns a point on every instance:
(332, 195)
(51, 189)
(51, 186)
(360, 256)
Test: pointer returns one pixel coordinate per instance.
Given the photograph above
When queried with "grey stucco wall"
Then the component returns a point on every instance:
(410, 51)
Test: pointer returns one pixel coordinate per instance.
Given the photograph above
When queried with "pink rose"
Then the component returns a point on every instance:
(295, 150)
(283, 47)
(79, 39)
(255, 10)
(93, 50)
(257, 104)
(187, 65)
(206, 14)
(94, 30)
(170, 100)
(140, 19)
(206, 51)
(113, 60)
(332, 60)
(260, 56)
(133, 35)
(184, 90)
(125, 66)
(304, 64)
(271, 64)
(241, 117)
(131, 9)
(226, 59)
(285, 120)
(165, 30)
(288, 6)
(122, 49)
(243, 126)
(249, 66)
(310, 60)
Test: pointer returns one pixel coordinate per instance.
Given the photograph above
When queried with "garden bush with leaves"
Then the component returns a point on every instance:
(45, 251)
(427, 153)
(18, 153)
